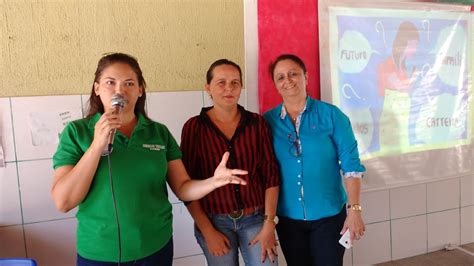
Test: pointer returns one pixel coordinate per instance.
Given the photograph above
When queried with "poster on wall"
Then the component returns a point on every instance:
(402, 77)
(46, 126)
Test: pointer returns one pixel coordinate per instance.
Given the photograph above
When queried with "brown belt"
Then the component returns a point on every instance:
(237, 214)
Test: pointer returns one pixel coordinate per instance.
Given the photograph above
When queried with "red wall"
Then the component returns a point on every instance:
(287, 26)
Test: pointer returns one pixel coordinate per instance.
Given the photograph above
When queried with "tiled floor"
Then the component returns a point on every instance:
(437, 258)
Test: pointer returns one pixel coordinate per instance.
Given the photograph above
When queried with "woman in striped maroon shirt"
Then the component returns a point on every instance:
(232, 217)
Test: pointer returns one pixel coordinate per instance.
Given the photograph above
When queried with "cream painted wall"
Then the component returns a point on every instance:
(52, 47)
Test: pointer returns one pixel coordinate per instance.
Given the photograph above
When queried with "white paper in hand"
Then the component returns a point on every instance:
(346, 239)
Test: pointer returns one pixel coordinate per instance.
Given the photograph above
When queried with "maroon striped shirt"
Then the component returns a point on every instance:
(203, 145)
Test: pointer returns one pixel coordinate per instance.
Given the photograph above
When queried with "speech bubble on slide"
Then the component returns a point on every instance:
(451, 55)
(354, 52)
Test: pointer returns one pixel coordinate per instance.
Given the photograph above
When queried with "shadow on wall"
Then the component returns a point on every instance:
(52, 243)
(12, 244)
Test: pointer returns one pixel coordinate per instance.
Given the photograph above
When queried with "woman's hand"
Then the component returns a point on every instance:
(223, 175)
(268, 243)
(355, 224)
(187, 189)
(217, 243)
(109, 121)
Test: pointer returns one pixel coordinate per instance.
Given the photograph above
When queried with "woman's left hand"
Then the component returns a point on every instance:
(268, 243)
(355, 224)
(223, 175)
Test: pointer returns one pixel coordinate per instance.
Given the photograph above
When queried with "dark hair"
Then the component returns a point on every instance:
(407, 31)
(220, 62)
(294, 58)
(95, 104)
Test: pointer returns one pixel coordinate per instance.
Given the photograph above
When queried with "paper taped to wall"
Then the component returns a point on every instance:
(45, 127)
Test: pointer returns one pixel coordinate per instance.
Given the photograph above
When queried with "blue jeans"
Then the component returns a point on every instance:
(163, 257)
(239, 232)
(311, 243)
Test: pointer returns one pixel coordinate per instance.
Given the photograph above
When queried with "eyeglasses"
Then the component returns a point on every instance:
(295, 148)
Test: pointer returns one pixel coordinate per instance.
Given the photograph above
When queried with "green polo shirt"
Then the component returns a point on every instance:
(139, 167)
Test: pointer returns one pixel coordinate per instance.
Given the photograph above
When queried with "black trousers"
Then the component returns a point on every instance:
(311, 243)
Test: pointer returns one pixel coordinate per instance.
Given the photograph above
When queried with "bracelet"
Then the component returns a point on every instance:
(270, 219)
(354, 207)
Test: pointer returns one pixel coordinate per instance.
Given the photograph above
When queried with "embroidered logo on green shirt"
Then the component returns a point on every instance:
(154, 147)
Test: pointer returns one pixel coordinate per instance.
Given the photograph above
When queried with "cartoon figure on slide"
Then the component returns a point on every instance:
(395, 83)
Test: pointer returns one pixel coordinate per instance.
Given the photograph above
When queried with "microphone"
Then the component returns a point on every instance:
(117, 103)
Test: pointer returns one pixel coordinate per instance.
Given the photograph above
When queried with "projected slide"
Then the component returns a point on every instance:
(402, 78)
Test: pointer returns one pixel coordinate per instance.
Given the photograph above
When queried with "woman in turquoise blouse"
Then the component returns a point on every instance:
(313, 142)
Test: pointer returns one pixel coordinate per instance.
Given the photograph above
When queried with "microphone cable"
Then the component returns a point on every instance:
(118, 103)
(115, 205)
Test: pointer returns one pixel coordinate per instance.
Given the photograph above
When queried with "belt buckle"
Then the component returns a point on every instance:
(236, 214)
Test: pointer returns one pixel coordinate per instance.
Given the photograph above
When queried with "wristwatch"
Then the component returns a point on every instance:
(270, 218)
(354, 207)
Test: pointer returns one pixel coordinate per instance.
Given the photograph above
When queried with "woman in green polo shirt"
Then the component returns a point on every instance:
(124, 215)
